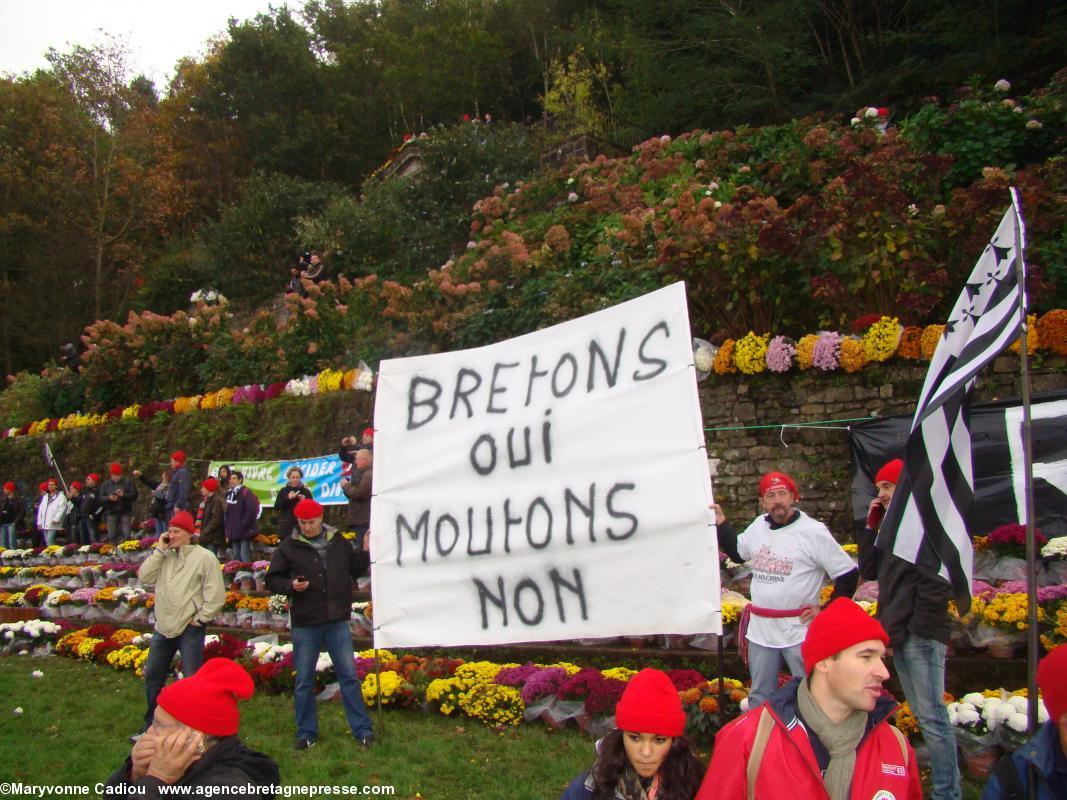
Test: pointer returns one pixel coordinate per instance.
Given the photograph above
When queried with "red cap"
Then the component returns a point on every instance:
(93, 476)
(211, 484)
(44, 486)
(206, 701)
(777, 480)
(179, 456)
(115, 469)
(837, 627)
(1052, 681)
(308, 509)
(883, 111)
(51, 480)
(890, 471)
(368, 432)
(183, 520)
(9, 486)
(650, 704)
(76, 485)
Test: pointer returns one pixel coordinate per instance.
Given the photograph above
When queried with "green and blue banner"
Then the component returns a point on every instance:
(322, 475)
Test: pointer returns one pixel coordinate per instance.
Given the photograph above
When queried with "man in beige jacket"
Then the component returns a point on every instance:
(189, 593)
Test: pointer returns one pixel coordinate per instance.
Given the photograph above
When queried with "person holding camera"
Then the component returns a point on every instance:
(117, 495)
(189, 593)
(292, 493)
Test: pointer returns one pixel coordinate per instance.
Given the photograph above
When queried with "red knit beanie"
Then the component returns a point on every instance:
(211, 484)
(307, 509)
(9, 486)
(76, 485)
(1052, 681)
(837, 627)
(890, 471)
(43, 487)
(650, 704)
(183, 520)
(368, 432)
(94, 476)
(115, 469)
(777, 480)
(179, 456)
(207, 700)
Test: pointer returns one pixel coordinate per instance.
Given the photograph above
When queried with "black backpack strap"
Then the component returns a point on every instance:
(1008, 778)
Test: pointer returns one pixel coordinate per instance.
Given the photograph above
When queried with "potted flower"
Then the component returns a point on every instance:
(278, 606)
(1002, 623)
(973, 733)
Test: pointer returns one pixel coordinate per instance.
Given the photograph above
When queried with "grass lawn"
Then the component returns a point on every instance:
(76, 720)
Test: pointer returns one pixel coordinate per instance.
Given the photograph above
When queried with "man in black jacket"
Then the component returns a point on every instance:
(89, 509)
(116, 496)
(193, 740)
(913, 608)
(316, 568)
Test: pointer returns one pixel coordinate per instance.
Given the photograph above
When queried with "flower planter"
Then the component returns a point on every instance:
(1002, 649)
(980, 762)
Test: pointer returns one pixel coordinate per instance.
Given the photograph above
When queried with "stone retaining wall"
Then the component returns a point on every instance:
(752, 410)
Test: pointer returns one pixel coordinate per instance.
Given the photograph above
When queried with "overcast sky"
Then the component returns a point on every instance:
(158, 33)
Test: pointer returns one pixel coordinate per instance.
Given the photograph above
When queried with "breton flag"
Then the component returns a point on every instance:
(926, 522)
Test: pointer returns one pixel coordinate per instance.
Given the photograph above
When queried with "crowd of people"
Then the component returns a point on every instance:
(827, 732)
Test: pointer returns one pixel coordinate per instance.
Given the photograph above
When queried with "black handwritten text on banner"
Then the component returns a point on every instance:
(552, 486)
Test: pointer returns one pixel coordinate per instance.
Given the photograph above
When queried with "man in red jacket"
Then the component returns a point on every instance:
(826, 735)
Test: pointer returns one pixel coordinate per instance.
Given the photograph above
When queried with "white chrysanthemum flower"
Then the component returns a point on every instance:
(976, 699)
(1017, 722)
(871, 112)
(1002, 85)
(967, 714)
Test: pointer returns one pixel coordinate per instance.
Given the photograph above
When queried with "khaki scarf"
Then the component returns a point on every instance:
(841, 739)
(630, 788)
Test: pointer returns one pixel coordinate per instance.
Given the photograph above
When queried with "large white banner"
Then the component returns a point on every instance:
(553, 486)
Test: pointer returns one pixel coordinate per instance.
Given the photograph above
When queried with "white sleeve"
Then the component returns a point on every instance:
(828, 553)
(743, 548)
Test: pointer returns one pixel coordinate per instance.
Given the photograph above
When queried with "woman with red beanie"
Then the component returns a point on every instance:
(646, 757)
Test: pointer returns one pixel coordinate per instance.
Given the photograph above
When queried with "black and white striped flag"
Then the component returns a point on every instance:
(926, 523)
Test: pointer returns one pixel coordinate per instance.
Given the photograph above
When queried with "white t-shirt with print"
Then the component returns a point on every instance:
(789, 568)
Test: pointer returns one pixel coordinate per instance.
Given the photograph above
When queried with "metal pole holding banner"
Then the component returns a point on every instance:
(378, 694)
(50, 460)
(1028, 481)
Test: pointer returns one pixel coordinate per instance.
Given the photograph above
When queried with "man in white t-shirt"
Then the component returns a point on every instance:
(791, 556)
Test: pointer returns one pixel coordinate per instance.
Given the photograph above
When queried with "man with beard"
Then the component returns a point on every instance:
(791, 555)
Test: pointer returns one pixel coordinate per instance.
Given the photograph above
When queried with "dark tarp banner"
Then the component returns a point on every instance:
(997, 458)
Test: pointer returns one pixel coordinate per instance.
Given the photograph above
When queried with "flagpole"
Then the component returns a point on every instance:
(1028, 479)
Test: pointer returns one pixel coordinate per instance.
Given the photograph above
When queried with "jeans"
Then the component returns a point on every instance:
(8, 537)
(920, 666)
(86, 527)
(764, 664)
(50, 536)
(114, 522)
(308, 640)
(242, 549)
(361, 534)
(161, 652)
(161, 525)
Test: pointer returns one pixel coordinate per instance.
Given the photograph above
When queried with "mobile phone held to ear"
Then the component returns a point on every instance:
(874, 516)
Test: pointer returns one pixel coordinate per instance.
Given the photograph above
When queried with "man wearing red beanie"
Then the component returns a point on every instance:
(117, 496)
(180, 487)
(791, 555)
(824, 735)
(189, 593)
(316, 568)
(11, 515)
(1043, 759)
(192, 740)
(913, 608)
